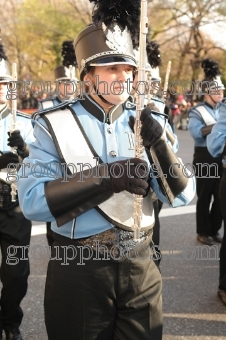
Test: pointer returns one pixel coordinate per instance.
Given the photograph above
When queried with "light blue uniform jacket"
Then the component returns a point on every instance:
(217, 138)
(196, 123)
(104, 141)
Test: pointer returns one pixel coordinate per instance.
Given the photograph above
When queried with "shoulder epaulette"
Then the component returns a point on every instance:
(156, 99)
(23, 114)
(199, 104)
(130, 105)
(51, 98)
(60, 106)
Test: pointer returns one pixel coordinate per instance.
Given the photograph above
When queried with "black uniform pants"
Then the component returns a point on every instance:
(222, 195)
(157, 205)
(49, 234)
(15, 232)
(208, 216)
(101, 299)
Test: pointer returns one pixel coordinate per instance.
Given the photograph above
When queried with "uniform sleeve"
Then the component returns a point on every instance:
(168, 134)
(41, 166)
(195, 124)
(188, 193)
(184, 197)
(172, 138)
(217, 138)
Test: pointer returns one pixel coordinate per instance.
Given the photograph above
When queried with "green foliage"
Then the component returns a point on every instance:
(34, 31)
(42, 27)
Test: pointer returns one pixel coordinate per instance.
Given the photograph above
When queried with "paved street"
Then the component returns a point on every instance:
(192, 310)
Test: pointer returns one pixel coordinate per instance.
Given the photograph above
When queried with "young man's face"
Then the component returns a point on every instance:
(65, 90)
(113, 82)
(154, 86)
(3, 93)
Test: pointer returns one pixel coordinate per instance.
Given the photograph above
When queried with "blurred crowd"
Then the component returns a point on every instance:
(178, 111)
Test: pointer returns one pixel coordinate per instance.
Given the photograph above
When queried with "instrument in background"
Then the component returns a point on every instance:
(139, 148)
(72, 80)
(168, 69)
(160, 103)
(13, 127)
(72, 72)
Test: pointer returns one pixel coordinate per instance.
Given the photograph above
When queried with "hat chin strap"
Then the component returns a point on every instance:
(101, 97)
(213, 100)
(97, 92)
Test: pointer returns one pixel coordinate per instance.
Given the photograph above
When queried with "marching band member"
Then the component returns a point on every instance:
(202, 118)
(63, 73)
(15, 229)
(105, 291)
(216, 145)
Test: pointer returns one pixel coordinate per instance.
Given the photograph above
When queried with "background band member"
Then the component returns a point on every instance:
(202, 118)
(63, 73)
(216, 146)
(157, 105)
(15, 229)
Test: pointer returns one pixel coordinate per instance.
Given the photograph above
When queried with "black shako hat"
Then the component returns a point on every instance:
(212, 79)
(66, 71)
(62, 73)
(101, 45)
(154, 60)
(108, 40)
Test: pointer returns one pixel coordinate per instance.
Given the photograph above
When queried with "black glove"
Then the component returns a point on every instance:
(7, 158)
(152, 106)
(121, 172)
(15, 139)
(151, 130)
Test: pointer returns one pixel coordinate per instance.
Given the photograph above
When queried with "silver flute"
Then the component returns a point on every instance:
(12, 128)
(139, 148)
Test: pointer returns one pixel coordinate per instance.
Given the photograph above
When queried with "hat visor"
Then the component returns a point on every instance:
(5, 79)
(217, 87)
(113, 60)
(63, 78)
(158, 79)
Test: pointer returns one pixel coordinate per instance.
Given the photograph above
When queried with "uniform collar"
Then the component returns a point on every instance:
(210, 106)
(98, 112)
(4, 111)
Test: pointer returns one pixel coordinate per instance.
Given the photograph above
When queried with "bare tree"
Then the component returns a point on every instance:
(83, 8)
(186, 29)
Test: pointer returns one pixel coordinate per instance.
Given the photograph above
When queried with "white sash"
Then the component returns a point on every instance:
(206, 116)
(3, 176)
